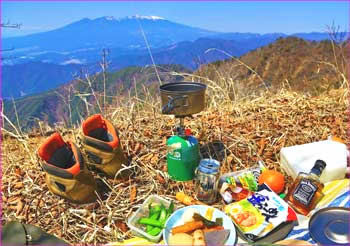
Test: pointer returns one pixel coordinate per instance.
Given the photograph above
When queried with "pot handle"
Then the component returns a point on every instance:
(171, 104)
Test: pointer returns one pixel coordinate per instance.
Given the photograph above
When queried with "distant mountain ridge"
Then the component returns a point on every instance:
(291, 62)
(83, 40)
(311, 36)
(106, 32)
(190, 54)
(64, 51)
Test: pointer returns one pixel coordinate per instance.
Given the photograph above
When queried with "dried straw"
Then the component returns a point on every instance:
(238, 133)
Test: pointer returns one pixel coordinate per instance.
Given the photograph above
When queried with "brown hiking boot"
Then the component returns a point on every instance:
(66, 174)
(101, 143)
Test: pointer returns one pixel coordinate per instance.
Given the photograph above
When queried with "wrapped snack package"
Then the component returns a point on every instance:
(248, 178)
(260, 213)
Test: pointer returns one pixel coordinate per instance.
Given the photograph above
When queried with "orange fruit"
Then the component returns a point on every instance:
(274, 179)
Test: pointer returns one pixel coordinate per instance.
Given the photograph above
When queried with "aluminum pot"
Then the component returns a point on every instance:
(182, 98)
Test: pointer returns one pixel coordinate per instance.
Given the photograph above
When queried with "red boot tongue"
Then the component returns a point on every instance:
(58, 154)
(50, 145)
(93, 122)
(96, 122)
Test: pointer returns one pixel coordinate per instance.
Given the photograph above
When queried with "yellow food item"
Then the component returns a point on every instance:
(209, 213)
(293, 242)
(187, 200)
(337, 139)
(198, 238)
(180, 239)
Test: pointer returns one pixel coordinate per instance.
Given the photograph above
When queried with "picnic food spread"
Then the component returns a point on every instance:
(253, 205)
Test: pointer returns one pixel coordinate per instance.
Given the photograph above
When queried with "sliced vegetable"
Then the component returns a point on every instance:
(149, 228)
(155, 231)
(208, 223)
(171, 208)
(154, 209)
(149, 221)
(163, 215)
(190, 226)
(157, 216)
(154, 216)
(219, 221)
(209, 213)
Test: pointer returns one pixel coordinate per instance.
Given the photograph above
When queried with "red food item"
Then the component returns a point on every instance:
(274, 179)
(232, 194)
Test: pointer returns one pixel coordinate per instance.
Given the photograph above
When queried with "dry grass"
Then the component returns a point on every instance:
(236, 129)
(250, 129)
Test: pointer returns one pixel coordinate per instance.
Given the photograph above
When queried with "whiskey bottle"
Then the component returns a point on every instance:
(306, 190)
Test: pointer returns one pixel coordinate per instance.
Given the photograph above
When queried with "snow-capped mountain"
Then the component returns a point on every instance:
(105, 32)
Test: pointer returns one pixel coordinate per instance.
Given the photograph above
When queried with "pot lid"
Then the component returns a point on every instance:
(330, 226)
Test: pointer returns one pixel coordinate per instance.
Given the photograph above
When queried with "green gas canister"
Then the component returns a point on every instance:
(182, 156)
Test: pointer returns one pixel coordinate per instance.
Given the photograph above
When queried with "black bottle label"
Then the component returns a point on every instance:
(304, 192)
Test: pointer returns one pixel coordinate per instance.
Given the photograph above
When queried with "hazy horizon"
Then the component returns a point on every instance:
(253, 17)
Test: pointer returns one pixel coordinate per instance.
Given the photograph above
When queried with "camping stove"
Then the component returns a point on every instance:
(182, 100)
(182, 154)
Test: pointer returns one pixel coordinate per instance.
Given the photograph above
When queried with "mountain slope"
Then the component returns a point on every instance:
(52, 106)
(35, 77)
(189, 54)
(309, 67)
(289, 62)
(28, 78)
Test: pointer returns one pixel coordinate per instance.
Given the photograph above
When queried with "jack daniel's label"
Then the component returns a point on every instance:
(304, 192)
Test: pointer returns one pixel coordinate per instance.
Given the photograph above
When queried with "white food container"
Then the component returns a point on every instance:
(301, 158)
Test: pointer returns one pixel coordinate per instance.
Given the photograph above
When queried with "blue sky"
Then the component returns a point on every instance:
(259, 17)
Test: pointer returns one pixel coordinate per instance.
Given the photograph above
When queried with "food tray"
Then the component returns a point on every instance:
(143, 211)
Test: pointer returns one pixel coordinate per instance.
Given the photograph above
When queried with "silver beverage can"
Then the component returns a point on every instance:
(207, 180)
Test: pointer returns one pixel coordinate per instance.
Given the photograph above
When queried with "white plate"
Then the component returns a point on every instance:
(175, 220)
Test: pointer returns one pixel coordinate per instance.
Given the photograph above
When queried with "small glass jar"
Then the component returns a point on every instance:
(207, 180)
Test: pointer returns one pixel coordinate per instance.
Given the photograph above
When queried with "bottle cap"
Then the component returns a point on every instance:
(188, 132)
(318, 167)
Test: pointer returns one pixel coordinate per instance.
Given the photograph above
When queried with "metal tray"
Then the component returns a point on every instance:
(330, 226)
